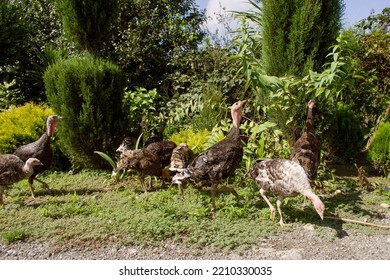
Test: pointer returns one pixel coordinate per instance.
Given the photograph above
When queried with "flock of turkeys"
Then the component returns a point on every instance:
(208, 169)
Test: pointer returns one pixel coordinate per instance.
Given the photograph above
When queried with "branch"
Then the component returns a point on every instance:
(357, 222)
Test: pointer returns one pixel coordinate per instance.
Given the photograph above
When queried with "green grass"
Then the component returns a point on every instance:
(90, 208)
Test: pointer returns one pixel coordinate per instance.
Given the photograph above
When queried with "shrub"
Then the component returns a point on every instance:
(379, 151)
(195, 140)
(25, 124)
(88, 94)
(145, 106)
(344, 136)
(9, 96)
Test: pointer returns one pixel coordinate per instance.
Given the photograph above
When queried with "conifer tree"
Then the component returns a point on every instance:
(297, 34)
(88, 22)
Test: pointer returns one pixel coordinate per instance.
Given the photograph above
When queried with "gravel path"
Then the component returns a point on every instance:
(302, 242)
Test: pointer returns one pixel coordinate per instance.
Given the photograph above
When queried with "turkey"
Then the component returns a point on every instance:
(13, 169)
(41, 150)
(287, 178)
(128, 143)
(217, 162)
(181, 157)
(163, 149)
(307, 149)
(143, 161)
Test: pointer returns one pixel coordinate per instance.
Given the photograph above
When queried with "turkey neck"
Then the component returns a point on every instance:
(51, 128)
(310, 120)
(27, 170)
(236, 116)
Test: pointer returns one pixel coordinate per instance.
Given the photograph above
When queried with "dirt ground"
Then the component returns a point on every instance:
(301, 243)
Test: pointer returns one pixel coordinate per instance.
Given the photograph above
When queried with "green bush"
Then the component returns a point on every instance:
(379, 151)
(146, 106)
(25, 124)
(88, 94)
(195, 140)
(344, 136)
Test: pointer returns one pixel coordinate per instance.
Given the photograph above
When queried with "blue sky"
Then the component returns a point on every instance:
(355, 10)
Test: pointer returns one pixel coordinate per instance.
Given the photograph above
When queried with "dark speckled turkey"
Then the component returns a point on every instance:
(163, 149)
(217, 162)
(41, 150)
(287, 178)
(181, 157)
(13, 169)
(307, 149)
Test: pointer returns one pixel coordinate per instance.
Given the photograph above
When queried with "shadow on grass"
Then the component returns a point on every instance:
(42, 196)
(350, 203)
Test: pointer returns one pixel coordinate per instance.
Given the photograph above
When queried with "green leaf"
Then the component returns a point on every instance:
(107, 158)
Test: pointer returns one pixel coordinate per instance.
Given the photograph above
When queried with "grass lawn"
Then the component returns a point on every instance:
(90, 208)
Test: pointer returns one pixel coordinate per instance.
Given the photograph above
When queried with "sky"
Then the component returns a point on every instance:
(355, 10)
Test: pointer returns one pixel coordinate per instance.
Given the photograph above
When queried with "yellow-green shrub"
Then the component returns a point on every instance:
(22, 125)
(195, 140)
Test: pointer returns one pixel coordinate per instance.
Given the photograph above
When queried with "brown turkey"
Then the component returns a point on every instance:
(181, 157)
(287, 178)
(13, 169)
(41, 150)
(144, 162)
(128, 143)
(217, 162)
(307, 149)
(163, 149)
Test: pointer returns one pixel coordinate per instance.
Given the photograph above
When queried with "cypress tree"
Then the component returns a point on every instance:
(88, 22)
(87, 92)
(298, 33)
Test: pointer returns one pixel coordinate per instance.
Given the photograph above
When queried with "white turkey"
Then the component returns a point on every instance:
(41, 150)
(13, 169)
(287, 178)
(217, 162)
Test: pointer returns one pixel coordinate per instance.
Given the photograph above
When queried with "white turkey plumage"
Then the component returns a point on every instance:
(287, 178)
(13, 169)
(217, 162)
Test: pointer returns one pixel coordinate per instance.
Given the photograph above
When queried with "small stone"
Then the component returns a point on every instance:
(132, 251)
(308, 227)
(337, 192)
(385, 205)
(387, 188)
(292, 254)
(388, 240)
